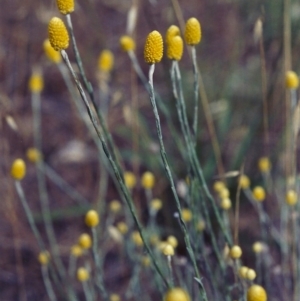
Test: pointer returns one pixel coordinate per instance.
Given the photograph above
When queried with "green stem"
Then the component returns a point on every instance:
(29, 216)
(114, 164)
(196, 92)
(170, 178)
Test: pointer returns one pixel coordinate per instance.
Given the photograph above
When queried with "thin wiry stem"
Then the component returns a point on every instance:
(172, 184)
(196, 93)
(47, 282)
(195, 162)
(114, 164)
(29, 216)
(87, 84)
(43, 194)
(99, 270)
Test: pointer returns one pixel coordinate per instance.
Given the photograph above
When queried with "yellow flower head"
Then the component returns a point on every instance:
(186, 214)
(51, 53)
(122, 227)
(127, 43)
(243, 271)
(225, 203)
(114, 297)
(130, 179)
(168, 250)
(224, 193)
(36, 82)
(200, 225)
(83, 274)
(251, 274)
(148, 180)
(172, 240)
(256, 293)
(258, 247)
(58, 34)
(137, 239)
(172, 32)
(92, 218)
(177, 294)
(153, 50)
(115, 206)
(156, 204)
(259, 193)
(106, 61)
(85, 241)
(264, 164)
(244, 181)
(235, 252)
(218, 186)
(76, 251)
(291, 197)
(33, 154)
(291, 80)
(44, 257)
(18, 169)
(145, 261)
(192, 32)
(65, 6)
(175, 48)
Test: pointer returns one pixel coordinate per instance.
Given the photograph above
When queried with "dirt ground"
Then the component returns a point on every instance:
(226, 49)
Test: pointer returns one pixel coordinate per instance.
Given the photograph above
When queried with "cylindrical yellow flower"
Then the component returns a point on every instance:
(256, 293)
(291, 80)
(264, 164)
(127, 43)
(148, 180)
(177, 294)
(156, 204)
(65, 6)
(186, 215)
(244, 181)
(175, 48)
(106, 61)
(130, 179)
(137, 239)
(224, 193)
(92, 218)
(83, 274)
(51, 53)
(114, 297)
(122, 227)
(200, 225)
(58, 34)
(291, 197)
(33, 154)
(225, 203)
(44, 257)
(251, 274)
(172, 240)
(219, 185)
(243, 271)
(18, 169)
(36, 83)
(115, 206)
(84, 241)
(172, 32)
(259, 193)
(168, 250)
(192, 32)
(153, 50)
(235, 252)
(258, 247)
(76, 251)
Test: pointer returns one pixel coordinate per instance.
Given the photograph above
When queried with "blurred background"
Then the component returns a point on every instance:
(230, 62)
